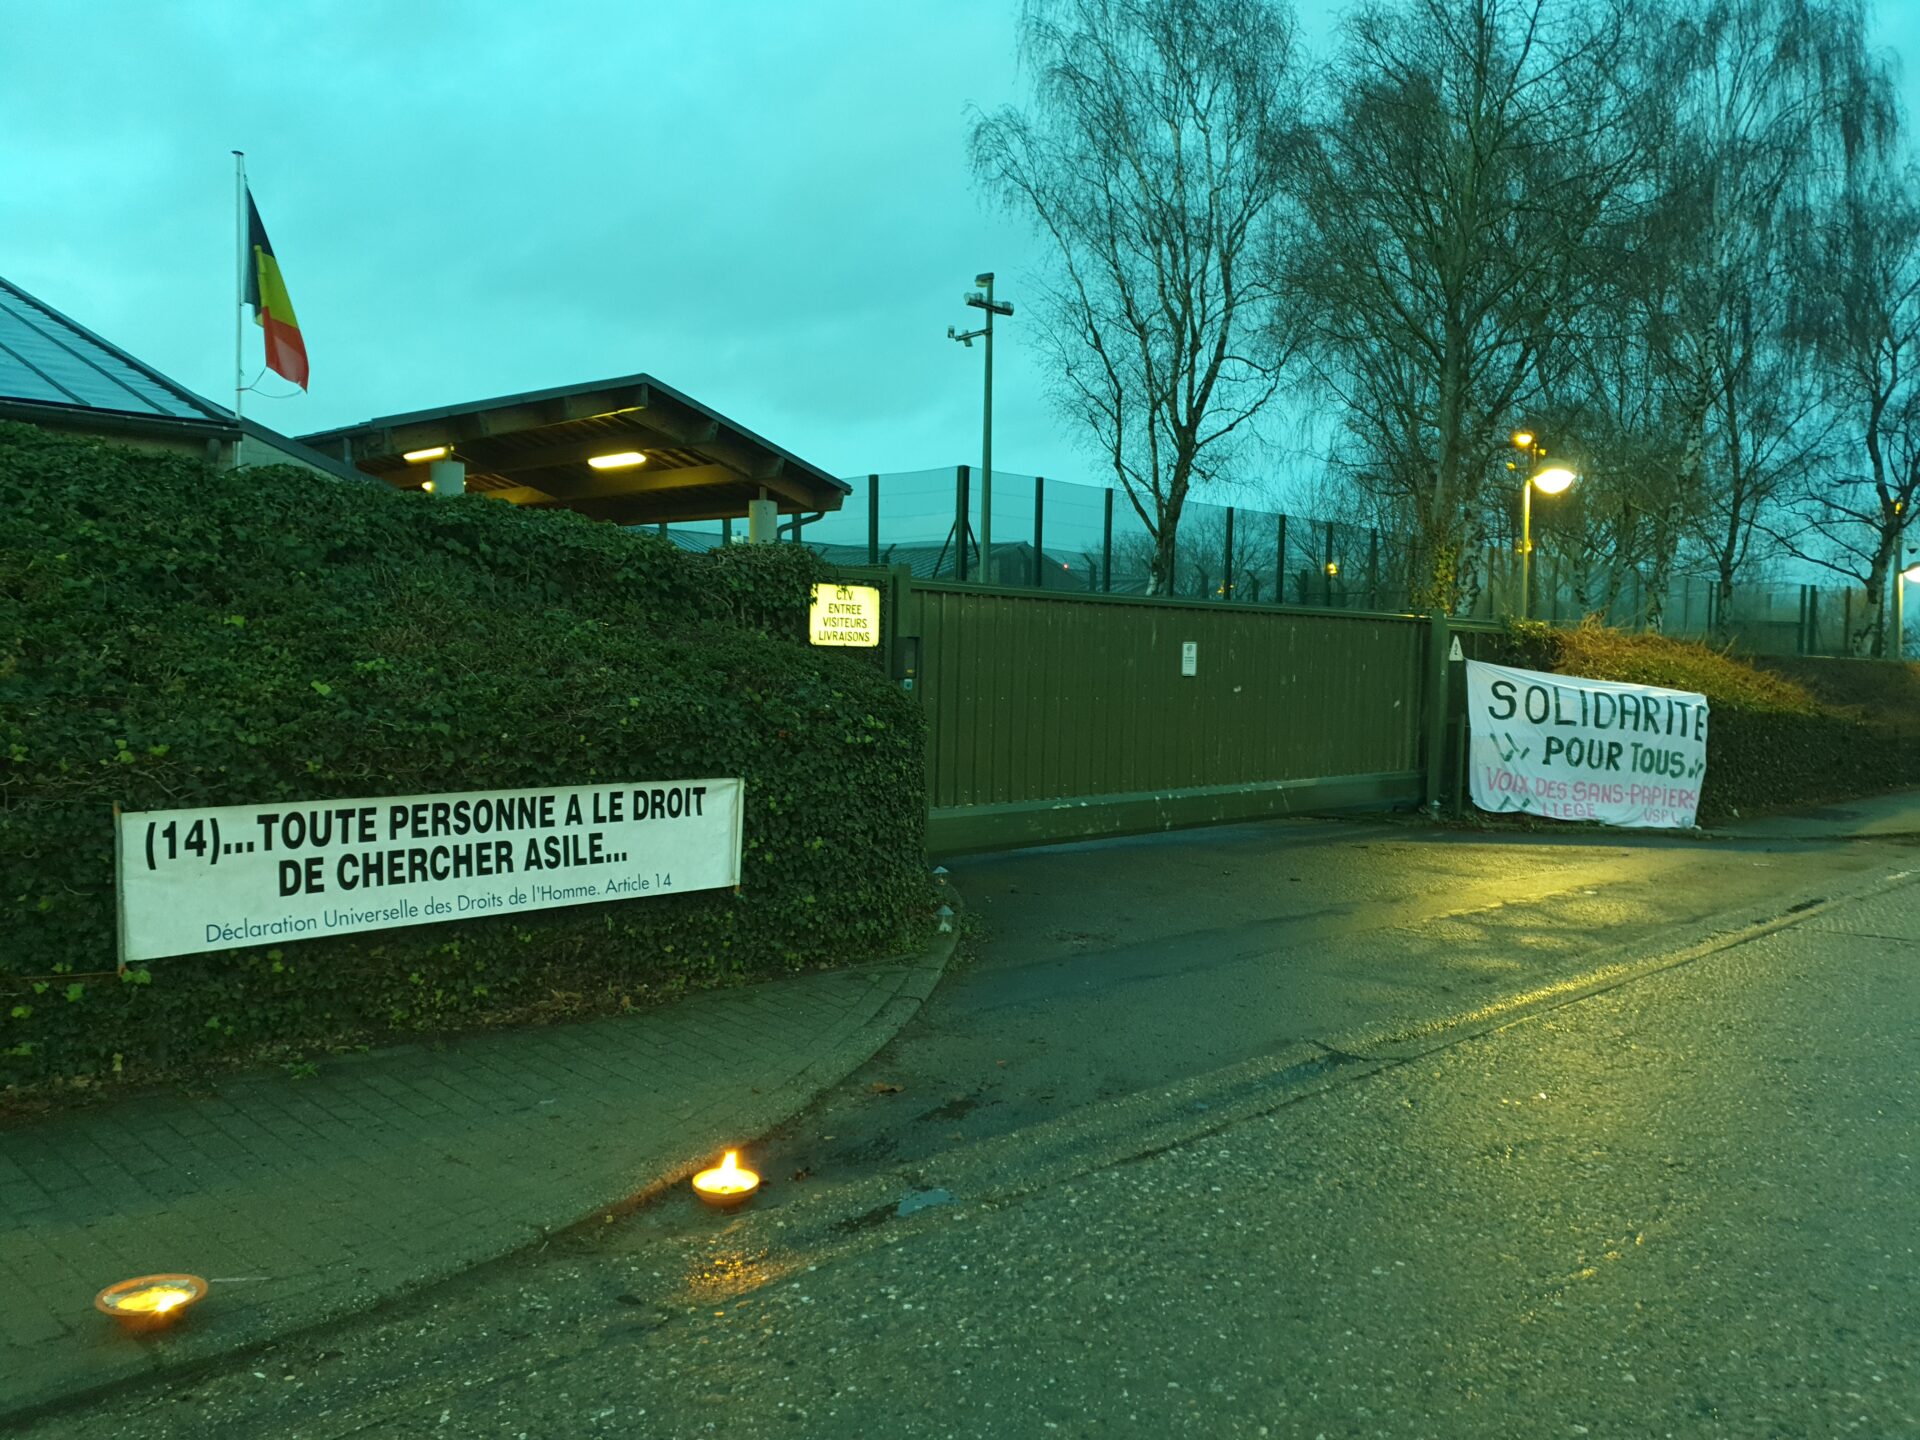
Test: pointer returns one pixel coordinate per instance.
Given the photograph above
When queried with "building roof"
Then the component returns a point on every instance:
(530, 448)
(533, 449)
(55, 371)
(47, 359)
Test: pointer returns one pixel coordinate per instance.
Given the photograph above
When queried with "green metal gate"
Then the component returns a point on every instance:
(1063, 716)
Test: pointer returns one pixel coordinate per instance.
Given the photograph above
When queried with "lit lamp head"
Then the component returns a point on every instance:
(1553, 480)
(620, 460)
(150, 1302)
(1912, 572)
(427, 457)
(727, 1184)
(1523, 440)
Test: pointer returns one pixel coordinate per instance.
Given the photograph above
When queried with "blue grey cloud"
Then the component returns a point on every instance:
(767, 205)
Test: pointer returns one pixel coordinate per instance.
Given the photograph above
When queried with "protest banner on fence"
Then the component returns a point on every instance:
(1575, 749)
(220, 877)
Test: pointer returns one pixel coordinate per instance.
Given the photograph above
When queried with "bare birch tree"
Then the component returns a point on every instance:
(1606, 386)
(1463, 199)
(1774, 98)
(1861, 315)
(1154, 156)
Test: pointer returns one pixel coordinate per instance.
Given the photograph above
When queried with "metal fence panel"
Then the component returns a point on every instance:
(1057, 712)
(1055, 535)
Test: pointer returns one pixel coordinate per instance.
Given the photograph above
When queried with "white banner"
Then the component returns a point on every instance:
(1574, 749)
(239, 875)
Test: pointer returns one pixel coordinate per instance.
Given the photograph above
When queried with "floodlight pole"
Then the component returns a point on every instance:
(986, 448)
(985, 301)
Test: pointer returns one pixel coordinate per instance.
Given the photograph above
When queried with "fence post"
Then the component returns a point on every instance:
(960, 508)
(1436, 708)
(1039, 509)
(726, 530)
(1280, 563)
(1106, 546)
(873, 519)
(1226, 569)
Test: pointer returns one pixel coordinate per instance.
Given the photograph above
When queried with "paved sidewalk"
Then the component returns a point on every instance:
(308, 1200)
(1871, 817)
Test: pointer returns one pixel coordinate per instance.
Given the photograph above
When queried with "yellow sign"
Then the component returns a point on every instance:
(844, 615)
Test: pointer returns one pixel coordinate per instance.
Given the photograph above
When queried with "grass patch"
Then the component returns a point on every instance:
(1727, 680)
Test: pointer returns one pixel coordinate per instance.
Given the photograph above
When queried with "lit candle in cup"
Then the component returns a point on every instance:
(727, 1184)
(150, 1301)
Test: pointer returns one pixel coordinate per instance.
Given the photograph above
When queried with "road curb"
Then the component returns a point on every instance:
(1857, 837)
(909, 980)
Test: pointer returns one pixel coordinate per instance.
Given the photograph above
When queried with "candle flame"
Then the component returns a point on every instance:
(155, 1300)
(728, 1178)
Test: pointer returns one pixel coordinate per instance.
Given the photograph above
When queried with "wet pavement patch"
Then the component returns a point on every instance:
(866, 1220)
(880, 1147)
(923, 1200)
(958, 1108)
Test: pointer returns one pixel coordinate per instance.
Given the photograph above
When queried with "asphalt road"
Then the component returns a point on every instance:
(1291, 1130)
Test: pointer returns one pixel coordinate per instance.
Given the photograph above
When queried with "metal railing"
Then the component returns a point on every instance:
(1062, 536)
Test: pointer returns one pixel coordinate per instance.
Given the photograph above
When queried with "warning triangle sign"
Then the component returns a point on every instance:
(1456, 653)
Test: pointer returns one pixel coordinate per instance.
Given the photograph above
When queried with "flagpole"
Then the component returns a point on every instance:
(240, 283)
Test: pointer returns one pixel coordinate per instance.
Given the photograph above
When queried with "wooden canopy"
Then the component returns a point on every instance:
(534, 449)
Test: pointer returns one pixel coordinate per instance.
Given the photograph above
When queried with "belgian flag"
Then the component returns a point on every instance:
(272, 310)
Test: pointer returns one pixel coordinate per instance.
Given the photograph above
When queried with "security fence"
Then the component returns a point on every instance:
(1057, 535)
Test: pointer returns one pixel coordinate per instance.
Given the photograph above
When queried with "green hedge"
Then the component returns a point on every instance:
(1770, 743)
(177, 636)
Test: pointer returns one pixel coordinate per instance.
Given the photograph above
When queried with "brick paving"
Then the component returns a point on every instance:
(305, 1200)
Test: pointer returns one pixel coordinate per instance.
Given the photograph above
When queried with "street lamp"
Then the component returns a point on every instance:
(986, 302)
(1553, 480)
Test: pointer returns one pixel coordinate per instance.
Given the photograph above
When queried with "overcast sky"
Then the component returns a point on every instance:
(765, 205)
